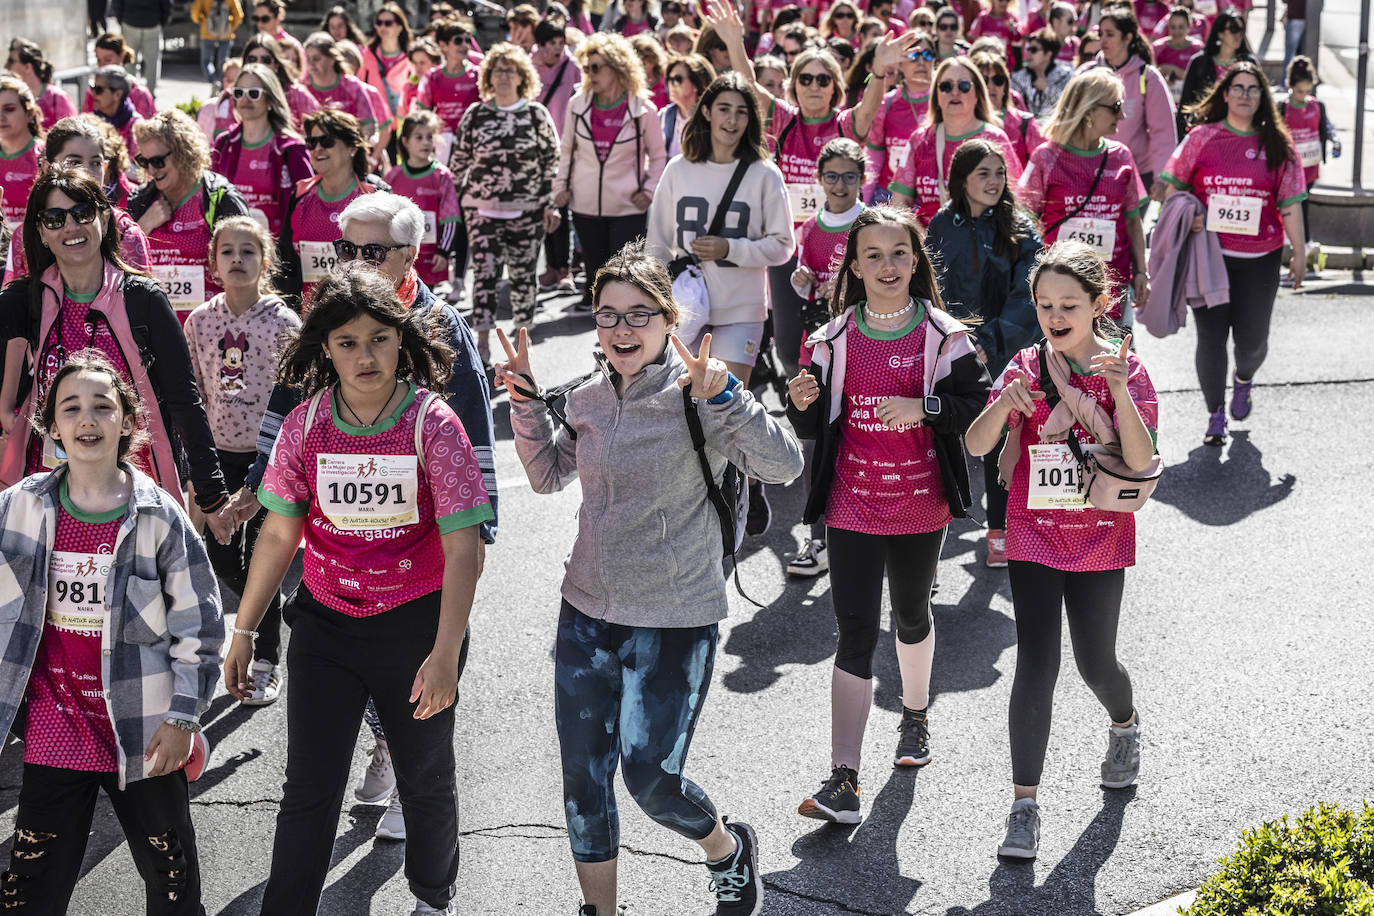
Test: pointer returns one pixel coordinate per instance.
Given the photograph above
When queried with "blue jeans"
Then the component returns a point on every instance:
(1294, 31)
(213, 54)
(629, 695)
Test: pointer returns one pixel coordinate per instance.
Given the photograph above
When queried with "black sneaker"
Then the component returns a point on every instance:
(589, 909)
(760, 513)
(838, 799)
(913, 741)
(735, 880)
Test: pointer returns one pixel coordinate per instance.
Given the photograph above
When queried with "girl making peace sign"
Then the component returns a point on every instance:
(644, 589)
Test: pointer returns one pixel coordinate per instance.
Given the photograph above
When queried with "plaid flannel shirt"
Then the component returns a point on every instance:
(160, 649)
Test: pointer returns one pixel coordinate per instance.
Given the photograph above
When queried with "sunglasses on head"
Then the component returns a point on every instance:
(373, 253)
(262, 19)
(54, 218)
(253, 93)
(820, 79)
(156, 162)
(948, 86)
(1115, 108)
(384, 23)
(321, 141)
(920, 54)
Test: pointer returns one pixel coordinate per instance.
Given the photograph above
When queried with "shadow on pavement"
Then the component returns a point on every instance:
(366, 876)
(826, 872)
(1071, 887)
(1220, 492)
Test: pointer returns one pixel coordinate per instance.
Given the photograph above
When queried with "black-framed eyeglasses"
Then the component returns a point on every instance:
(156, 162)
(252, 92)
(606, 318)
(54, 218)
(1245, 92)
(373, 253)
(262, 19)
(948, 86)
(820, 79)
(384, 23)
(321, 141)
(920, 54)
(1115, 108)
(849, 178)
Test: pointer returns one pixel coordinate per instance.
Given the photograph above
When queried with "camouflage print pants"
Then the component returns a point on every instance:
(510, 243)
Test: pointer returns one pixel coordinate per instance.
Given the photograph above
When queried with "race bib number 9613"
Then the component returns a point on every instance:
(1235, 215)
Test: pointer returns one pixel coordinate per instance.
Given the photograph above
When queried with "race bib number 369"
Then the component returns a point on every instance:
(317, 260)
(368, 492)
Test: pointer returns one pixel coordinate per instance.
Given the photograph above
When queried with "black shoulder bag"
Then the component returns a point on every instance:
(1089, 196)
(677, 265)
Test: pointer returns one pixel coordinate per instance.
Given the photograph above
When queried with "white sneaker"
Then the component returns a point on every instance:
(266, 683)
(392, 826)
(424, 909)
(379, 781)
(813, 560)
(455, 293)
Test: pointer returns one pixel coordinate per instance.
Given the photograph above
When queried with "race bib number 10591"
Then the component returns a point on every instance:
(368, 492)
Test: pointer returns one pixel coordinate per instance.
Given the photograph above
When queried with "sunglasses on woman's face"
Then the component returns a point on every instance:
(265, 60)
(372, 253)
(384, 23)
(1234, 28)
(262, 20)
(1115, 108)
(321, 141)
(843, 16)
(677, 79)
(98, 89)
(1033, 49)
(671, 9)
(995, 79)
(155, 162)
(820, 79)
(54, 218)
(254, 93)
(948, 27)
(594, 67)
(920, 54)
(948, 86)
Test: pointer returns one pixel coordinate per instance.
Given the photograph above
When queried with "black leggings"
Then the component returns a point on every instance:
(230, 561)
(1093, 603)
(996, 494)
(557, 244)
(1254, 284)
(857, 562)
(602, 237)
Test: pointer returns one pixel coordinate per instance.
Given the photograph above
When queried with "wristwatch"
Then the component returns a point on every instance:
(931, 404)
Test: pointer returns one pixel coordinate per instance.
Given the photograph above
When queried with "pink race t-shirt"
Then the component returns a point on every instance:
(1003, 27)
(433, 192)
(55, 105)
(1057, 179)
(1216, 159)
(801, 147)
(887, 481)
(1304, 124)
(1068, 51)
(1166, 55)
(68, 722)
(180, 251)
(820, 248)
(1080, 539)
(449, 95)
(260, 186)
(300, 101)
(374, 516)
(347, 94)
(314, 228)
(630, 28)
(1150, 13)
(899, 116)
(918, 178)
(16, 180)
(606, 124)
(1020, 127)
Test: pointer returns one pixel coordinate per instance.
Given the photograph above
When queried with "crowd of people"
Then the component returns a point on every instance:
(268, 327)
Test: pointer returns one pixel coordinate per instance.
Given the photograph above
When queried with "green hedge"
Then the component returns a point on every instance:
(1323, 865)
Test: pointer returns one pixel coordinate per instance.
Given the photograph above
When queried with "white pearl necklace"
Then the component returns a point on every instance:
(888, 316)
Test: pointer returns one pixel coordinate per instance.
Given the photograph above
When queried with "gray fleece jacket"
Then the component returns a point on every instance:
(648, 548)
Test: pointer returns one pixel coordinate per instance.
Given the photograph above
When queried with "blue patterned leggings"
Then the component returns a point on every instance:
(629, 695)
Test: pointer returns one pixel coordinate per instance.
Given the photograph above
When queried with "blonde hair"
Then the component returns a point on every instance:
(1084, 92)
(9, 83)
(504, 50)
(647, 47)
(982, 105)
(619, 55)
(278, 110)
(185, 141)
(266, 248)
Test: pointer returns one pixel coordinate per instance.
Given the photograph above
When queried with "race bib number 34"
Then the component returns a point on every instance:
(806, 200)
(317, 260)
(76, 590)
(1055, 478)
(1236, 215)
(1099, 233)
(184, 284)
(368, 492)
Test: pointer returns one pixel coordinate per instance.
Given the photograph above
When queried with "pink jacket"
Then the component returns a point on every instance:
(1147, 123)
(1186, 267)
(391, 86)
(634, 164)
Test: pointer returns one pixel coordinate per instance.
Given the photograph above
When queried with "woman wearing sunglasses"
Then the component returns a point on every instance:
(21, 146)
(1088, 187)
(80, 294)
(841, 22)
(948, 42)
(1240, 162)
(179, 204)
(111, 51)
(110, 101)
(960, 111)
(901, 114)
(1226, 44)
(309, 223)
(1147, 124)
(263, 155)
(1017, 123)
(1042, 79)
(263, 49)
(386, 60)
(267, 16)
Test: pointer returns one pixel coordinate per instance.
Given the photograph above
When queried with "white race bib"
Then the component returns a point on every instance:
(260, 216)
(368, 492)
(317, 260)
(1310, 152)
(1055, 478)
(431, 227)
(806, 199)
(184, 284)
(1236, 215)
(899, 153)
(1099, 233)
(76, 590)
(1205, 7)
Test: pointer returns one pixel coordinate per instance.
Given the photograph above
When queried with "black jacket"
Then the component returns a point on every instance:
(1200, 76)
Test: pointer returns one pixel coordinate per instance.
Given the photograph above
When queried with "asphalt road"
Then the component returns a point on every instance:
(1246, 630)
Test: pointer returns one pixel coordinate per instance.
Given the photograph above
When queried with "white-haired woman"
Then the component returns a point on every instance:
(262, 155)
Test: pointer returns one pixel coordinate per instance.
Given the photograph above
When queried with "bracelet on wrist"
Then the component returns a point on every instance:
(239, 631)
(186, 725)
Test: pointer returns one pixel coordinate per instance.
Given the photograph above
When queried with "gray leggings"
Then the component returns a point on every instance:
(1245, 320)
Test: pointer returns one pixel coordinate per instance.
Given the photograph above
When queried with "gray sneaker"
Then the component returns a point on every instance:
(1023, 831)
(1122, 764)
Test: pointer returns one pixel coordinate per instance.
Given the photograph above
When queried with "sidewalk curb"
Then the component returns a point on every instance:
(1168, 907)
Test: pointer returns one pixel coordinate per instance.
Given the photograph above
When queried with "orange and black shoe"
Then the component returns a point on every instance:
(838, 799)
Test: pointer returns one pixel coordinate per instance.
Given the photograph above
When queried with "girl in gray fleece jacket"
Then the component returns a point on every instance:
(645, 588)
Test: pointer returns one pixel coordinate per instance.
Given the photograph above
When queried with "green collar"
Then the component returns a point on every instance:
(28, 146)
(613, 106)
(380, 426)
(918, 315)
(406, 170)
(82, 298)
(331, 86)
(261, 143)
(181, 203)
(981, 127)
(1239, 133)
(828, 116)
(90, 518)
(319, 189)
(1086, 153)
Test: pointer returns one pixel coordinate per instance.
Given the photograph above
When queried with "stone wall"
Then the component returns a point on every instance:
(58, 26)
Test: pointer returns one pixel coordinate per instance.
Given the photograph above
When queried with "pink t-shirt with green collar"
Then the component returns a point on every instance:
(374, 514)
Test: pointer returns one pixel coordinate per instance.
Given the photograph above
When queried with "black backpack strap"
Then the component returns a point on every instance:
(725, 513)
(718, 221)
(549, 395)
